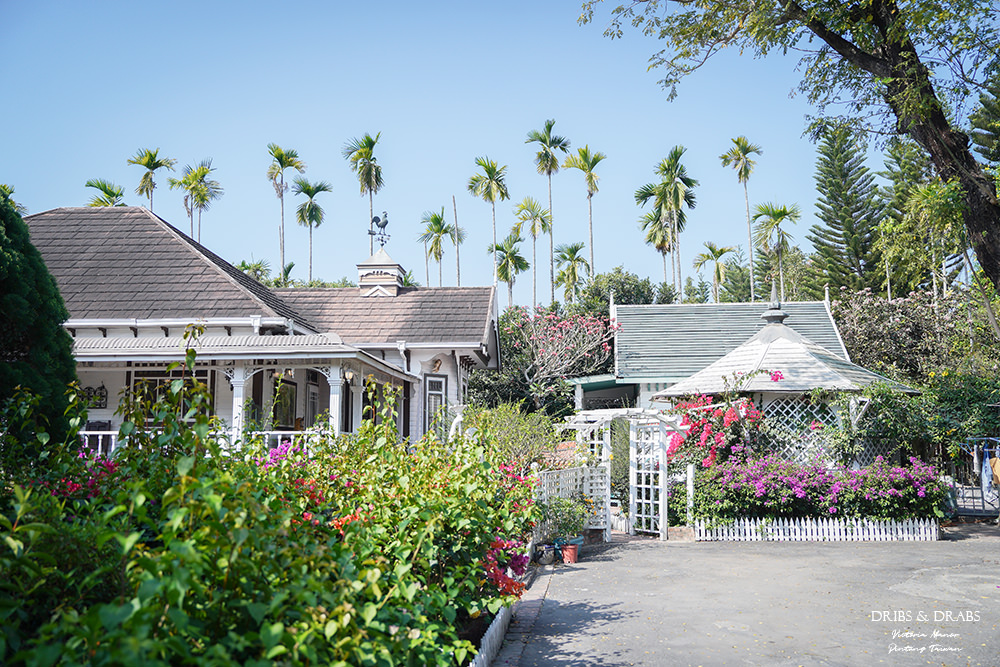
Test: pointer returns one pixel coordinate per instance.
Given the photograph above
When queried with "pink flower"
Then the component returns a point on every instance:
(776, 376)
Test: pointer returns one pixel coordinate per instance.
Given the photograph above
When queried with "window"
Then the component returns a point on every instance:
(435, 399)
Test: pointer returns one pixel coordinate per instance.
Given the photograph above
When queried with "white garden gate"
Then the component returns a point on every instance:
(649, 432)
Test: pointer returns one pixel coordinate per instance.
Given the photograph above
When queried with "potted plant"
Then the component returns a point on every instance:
(564, 520)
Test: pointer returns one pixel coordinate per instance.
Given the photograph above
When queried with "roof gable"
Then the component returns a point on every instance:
(125, 262)
(669, 342)
(415, 314)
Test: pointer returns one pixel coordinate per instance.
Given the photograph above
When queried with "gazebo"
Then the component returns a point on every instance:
(782, 370)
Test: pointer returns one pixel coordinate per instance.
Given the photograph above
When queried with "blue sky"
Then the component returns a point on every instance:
(444, 82)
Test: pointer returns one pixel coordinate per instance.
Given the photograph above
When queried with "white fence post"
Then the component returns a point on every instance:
(690, 493)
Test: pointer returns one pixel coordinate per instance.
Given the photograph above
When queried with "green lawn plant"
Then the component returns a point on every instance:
(368, 551)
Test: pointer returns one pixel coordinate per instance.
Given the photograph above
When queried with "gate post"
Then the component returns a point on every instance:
(661, 458)
(633, 435)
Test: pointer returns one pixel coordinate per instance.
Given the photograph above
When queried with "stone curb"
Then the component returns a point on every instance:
(525, 613)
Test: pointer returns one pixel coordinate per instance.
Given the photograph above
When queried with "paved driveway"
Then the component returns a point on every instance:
(645, 602)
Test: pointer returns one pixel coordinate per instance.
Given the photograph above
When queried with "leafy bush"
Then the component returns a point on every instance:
(366, 552)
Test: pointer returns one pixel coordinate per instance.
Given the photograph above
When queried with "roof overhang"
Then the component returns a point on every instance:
(310, 347)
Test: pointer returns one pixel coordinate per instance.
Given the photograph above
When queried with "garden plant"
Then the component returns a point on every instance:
(363, 551)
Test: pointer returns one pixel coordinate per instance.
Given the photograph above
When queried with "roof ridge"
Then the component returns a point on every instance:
(237, 278)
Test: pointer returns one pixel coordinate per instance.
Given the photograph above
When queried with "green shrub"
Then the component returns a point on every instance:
(367, 552)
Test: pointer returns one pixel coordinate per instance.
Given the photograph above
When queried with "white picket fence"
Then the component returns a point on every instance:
(819, 530)
(489, 645)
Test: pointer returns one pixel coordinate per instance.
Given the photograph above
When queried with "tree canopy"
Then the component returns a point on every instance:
(35, 351)
(896, 68)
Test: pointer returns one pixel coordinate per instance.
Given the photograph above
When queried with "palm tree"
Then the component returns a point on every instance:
(435, 231)
(738, 156)
(205, 190)
(656, 224)
(510, 263)
(769, 233)
(586, 162)
(309, 213)
(489, 186)
(458, 238)
(111, 194)
(6, 192)
(573, 269)
(199, 190)
(673, 192)
(429, 218)
(360, 153)
(280, 161)
(548, 163)
(258, 269)
(714, 254)
(530, 212)
(285, 279)
(150, 161)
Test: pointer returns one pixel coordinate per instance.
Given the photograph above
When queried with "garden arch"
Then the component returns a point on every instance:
(649, 432)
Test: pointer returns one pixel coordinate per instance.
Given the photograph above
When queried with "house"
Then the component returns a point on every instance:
(274, 360)
(659, 345)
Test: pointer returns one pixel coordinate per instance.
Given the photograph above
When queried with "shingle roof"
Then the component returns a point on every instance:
(125, 262)
(670, 342)
(804, 366)
(415, 314)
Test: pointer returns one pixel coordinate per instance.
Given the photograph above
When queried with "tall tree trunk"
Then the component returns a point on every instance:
(371, 223)
(590, 227)
(510, 293)
(552, 246)
(199, 225)
(458, 266)
(495, 274)
(440, 279)
(427, 266)
(281, 229)
(746, 197)
(534, 273)
(781, 274)
(664, 253)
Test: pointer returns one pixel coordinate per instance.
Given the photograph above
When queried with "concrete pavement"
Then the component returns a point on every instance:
(645, 602)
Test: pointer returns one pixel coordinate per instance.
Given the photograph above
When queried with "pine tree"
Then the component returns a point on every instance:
(735, 286)
(36, 353)
(906, 168)
(849, 210)
(985, 121)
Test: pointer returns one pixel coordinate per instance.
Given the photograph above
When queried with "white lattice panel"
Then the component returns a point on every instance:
(646, 449)
(798, 424)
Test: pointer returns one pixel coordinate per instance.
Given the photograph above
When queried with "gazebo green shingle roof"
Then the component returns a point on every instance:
(804, 366)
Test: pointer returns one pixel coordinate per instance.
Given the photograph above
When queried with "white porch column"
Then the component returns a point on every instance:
(332, 375)
(238, 374)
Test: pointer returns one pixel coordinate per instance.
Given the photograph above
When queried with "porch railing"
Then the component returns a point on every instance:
(104, 443)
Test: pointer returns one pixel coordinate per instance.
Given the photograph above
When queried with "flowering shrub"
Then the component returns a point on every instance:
(712, 431)
(368, 552)
(772, 487)
(544, 348)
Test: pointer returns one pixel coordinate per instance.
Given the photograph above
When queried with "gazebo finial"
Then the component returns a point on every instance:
(774, 314)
